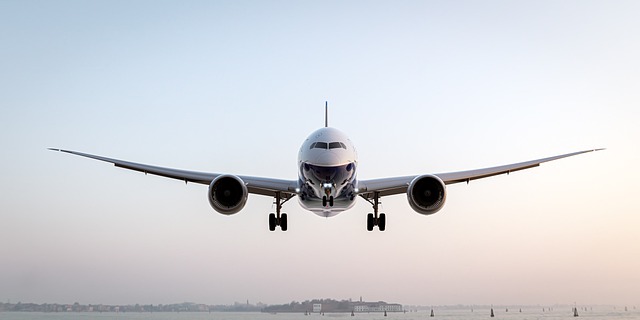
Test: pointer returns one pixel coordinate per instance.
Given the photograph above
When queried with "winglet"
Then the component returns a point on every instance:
(326, 114)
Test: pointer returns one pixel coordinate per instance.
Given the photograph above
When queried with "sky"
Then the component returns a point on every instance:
(236, 87)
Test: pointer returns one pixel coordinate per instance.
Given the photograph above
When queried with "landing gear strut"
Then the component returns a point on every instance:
(279, 219)
(375, 219)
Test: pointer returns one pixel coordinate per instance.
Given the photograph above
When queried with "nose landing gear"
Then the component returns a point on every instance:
(327, 198)
(325, 201)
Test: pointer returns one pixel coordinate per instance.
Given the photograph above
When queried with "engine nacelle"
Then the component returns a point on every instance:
(228, 194)
(426, 194)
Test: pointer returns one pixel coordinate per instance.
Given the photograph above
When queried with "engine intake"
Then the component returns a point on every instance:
(227, 194)
(426, 194)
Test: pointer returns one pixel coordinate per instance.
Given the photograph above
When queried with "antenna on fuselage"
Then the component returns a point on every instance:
(326, 114)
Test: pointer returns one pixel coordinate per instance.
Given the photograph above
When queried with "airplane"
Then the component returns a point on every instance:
(327, 182)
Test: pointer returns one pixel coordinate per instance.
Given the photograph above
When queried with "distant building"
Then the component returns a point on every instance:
(377, 307)
(317, 307)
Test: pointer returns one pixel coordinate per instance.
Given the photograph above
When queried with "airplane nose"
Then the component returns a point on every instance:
(326, 159)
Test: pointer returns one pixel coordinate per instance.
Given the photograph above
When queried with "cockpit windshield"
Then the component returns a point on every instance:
(330, 145)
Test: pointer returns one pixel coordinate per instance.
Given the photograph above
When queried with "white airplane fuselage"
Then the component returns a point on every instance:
(327, 164)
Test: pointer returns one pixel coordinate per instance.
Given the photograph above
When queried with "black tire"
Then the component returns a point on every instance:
(331, 201)
(370, 222)
(283, 222)
(324, 201)
(382, 222)
(272, 222)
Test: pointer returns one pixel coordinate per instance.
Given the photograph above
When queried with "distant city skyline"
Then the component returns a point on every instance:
(355, 305)
(259, 307)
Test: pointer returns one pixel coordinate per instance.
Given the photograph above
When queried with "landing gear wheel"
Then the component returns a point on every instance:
(331, 201)
(272, 222)
(370, 222)
(324, 201)
(382, 222)
(278, 219)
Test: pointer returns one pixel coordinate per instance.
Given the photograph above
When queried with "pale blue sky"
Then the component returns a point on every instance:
(236, 86)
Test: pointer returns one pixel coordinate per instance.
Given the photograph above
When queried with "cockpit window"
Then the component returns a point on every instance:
(331, 145)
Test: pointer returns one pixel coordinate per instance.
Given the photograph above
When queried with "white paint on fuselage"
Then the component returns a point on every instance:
(339, 159)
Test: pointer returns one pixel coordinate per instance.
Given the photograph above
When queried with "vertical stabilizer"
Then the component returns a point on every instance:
(326, 114)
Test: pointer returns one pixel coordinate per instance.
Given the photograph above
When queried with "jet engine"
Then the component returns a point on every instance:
(426, 194)
(227, 194)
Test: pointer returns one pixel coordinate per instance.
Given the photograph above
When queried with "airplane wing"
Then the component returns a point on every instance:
(255, 185)
(397, 185)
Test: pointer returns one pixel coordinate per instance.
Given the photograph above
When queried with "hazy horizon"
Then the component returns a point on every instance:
(236, 86)
(630, 307)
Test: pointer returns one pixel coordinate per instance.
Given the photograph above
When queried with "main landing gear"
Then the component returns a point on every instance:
(373, 219)
(279, 219)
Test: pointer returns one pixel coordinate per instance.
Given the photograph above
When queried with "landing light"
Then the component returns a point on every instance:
(327, 185)
(297, 190)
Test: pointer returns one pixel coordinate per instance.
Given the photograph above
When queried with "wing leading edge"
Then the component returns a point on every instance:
(270, 186)
(255, 185)
(397, 185)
